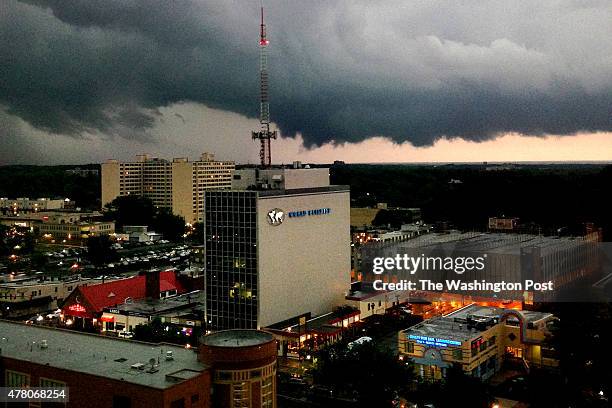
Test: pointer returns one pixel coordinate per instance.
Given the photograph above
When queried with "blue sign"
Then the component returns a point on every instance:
(433, 341)
(305, 213)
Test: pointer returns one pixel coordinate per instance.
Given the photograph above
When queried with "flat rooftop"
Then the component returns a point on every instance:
(35, 280)
(477, 310)
(300, 191)
(237, 338)
(491, 242)
(99, 355)
(446, 327)
(160, 306)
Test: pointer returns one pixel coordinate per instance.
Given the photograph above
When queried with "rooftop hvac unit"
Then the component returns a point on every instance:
(44, 344)
(169, 355)
(137, 366)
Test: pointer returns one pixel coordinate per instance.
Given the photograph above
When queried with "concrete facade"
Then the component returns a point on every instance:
(280, 178)
(177, 185)
(306, 254)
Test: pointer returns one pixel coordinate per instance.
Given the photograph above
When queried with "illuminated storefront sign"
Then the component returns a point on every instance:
(434, 341)
(77, 308)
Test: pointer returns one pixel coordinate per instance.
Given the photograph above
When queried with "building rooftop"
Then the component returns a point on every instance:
(488, 311)
(36, 280)
(116, 292)
(165, 305)
(453, 325)
(299, 191)
(237, 338)
(98, 355)
(492, 242)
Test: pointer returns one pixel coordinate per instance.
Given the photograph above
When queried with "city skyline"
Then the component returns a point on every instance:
(413, 83)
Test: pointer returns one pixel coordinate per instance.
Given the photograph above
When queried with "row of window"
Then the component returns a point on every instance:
(19, 379)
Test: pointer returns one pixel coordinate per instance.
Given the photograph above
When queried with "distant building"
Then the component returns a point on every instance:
(30, 205)
(25, 297)
(140, 233)
(176, 185)
(478, 339)
(61, 224)
(503, 223)
(76, 230)
(244, 367)
(101, 371)
(288, 234)
(509, 257)
(281, 178)
(77, 171)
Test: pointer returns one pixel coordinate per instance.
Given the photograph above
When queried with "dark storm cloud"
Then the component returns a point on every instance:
(340, 71)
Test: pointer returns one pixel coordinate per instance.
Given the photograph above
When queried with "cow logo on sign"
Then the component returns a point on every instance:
(276, 216)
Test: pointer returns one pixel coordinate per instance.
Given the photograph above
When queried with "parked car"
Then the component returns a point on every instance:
(126, 334)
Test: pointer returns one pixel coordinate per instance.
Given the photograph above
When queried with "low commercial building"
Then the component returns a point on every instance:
(563, 261)
(184, 310)
(77, 230)
(244, 368)
(140, 233)
(100, 371)
(85, 305)
(478, 339)
(24, 297)
(305, 334)
(23, 204)
(35, 218)
(375, 302)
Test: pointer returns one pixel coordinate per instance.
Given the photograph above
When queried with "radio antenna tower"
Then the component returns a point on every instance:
(264, 134)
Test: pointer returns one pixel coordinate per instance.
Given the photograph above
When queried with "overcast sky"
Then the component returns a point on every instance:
(86, 80)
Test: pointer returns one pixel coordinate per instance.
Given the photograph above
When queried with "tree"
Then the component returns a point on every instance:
(138, 210)
(171, 226)
(375, 376)
(131, 210)
(99, 250)
(197, 234)
(39, 260)
(458, 386)
(4, 240)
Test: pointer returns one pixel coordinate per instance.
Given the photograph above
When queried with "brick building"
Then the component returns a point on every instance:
(102, 372)
(244, 368)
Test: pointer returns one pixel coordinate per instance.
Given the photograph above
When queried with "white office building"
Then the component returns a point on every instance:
(278, 250)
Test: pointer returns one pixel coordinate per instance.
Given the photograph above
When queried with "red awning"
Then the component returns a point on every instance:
(107, 318)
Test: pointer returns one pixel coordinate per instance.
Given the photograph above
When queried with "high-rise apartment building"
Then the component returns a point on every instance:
(177, 185)
(277, 250)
